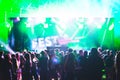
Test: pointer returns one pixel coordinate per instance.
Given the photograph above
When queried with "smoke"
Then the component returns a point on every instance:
(77, 8)
(72, 8)
(90, 8)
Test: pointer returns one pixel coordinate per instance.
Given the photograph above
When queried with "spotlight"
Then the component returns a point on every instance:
(80, 26)
(16, 19)
(1, 46)
(111, 27)
(45, 25)
(99, 26)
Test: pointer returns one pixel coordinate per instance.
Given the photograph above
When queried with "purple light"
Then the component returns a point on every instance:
(17, 19)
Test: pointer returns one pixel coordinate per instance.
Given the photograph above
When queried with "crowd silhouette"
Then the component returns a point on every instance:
(96, 64)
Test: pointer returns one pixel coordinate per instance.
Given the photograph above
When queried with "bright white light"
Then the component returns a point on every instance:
(75, 8)
(99, 26)
(18, 18)
(7, 25)
(32, 21)
(111, 27)
(28, 24)
(39, 20)
(59, 30)
(1, 45)
(80, 26)
(99, 22)
(96, 22)
(90, 21)
(45, 25)
(7, 47)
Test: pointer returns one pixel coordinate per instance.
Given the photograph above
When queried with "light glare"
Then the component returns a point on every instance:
(111, 27)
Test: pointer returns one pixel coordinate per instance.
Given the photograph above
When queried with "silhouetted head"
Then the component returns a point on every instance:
(1, 53)
(94, 51)
(27, 56)
(7, 57)
(32, 56)
(70, 50)
(85, 53)
(13, 56)
(81, 52)
(42, 53)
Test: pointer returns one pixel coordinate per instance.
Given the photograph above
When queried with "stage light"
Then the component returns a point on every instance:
(100, 22)
(28, 24)
(111, 27)
(45, 25)
(16, 19)
(104, 76)
(96, 22)
(6, 47)
(32, 21)
(80, 26)
(90, 21)
(1, 45)
(7, 25)
(103, 70)
(99, 26)
(39, 20)
(56, 60)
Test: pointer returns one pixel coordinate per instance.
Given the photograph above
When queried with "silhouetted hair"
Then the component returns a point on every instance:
(70, 50)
